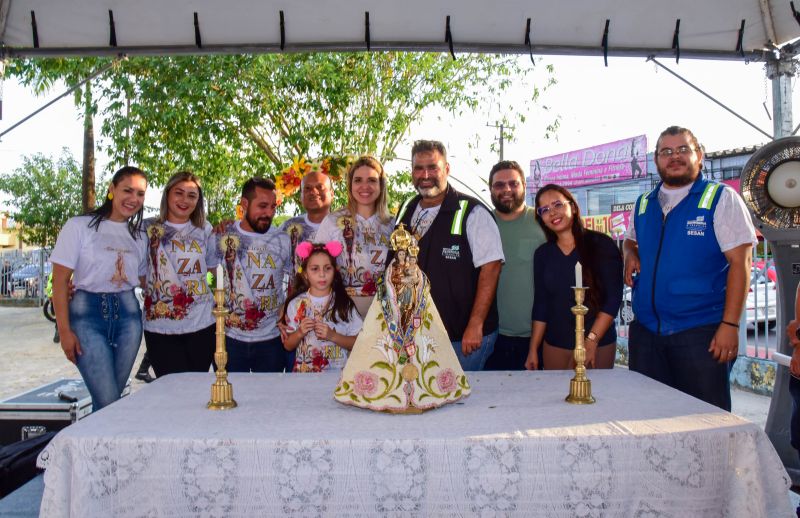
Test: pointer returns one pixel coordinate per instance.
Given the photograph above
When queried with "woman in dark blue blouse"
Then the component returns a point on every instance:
(554, 275)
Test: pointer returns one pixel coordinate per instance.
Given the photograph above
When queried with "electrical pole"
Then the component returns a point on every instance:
(501, 127)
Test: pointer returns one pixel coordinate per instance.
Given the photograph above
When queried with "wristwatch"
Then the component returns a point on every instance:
(592, 336)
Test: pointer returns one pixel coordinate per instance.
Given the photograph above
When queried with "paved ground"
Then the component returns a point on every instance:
(30, 358)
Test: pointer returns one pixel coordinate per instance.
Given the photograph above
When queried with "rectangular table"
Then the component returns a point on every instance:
(513, 448)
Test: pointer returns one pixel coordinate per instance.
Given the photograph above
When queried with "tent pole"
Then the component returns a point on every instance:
(780, 71)
(53, 101)
(654, 60)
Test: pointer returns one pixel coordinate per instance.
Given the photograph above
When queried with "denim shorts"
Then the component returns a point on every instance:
(109, 329)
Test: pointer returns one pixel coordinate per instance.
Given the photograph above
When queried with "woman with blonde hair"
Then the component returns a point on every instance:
(363, 227)
(178, 325)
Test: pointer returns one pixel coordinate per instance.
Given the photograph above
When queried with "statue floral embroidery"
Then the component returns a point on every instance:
(446, 380)
(365, 383)
(397, 362)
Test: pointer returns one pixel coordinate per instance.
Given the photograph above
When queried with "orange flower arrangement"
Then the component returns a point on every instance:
(288, 181)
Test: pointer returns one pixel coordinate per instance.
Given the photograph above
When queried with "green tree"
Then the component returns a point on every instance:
(44, 194)
(43, 75)
(230, 117)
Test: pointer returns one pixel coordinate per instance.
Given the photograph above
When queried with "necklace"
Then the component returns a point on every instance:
(421, 222)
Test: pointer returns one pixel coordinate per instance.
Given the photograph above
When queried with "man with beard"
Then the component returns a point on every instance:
(460, 252)
(257, 258)
(521, 236)
(687, 257)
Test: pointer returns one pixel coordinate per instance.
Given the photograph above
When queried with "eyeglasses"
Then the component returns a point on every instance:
(667, 152)
(512, 184)
(558, 204)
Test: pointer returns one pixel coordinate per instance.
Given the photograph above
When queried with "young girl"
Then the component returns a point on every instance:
(321, 319)
(178, 325)
(101, 325)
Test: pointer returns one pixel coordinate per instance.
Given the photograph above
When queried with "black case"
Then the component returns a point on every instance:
(53, 406)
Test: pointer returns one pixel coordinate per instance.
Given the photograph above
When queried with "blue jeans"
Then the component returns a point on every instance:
(476, 360)
(109, 329)
(264, 356)
(682, 361)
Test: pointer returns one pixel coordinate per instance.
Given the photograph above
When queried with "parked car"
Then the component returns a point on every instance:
(27, 278)
(760, 306)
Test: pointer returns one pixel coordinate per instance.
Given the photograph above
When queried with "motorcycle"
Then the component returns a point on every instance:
(48, 309)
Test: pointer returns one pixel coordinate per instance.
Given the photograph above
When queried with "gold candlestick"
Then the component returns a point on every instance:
(580, 387)
(221, 390)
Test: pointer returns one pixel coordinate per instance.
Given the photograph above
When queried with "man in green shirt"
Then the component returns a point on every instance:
(521, 235)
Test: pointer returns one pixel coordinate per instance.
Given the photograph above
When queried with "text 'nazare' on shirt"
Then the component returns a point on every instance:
(177, 297)
(256, 269)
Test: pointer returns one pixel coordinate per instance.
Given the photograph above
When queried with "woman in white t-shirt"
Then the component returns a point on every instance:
(101, 326)
(178, 325)
(363, 227)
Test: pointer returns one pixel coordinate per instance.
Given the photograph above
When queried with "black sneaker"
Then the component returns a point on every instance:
(144, 376)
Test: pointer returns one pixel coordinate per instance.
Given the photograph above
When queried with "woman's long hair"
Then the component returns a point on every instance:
(342, 304)
(198, 216)
(584, 246)
(382, 203)
(104, 211)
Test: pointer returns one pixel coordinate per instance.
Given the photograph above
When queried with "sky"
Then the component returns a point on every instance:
(595, 104)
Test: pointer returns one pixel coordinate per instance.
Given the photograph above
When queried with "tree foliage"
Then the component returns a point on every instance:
(44, 194)
(230, 117)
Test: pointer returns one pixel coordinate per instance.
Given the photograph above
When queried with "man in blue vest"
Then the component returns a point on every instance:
(687, 256)
(460, 252)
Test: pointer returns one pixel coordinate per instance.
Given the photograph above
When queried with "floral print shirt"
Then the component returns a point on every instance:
(314, 354)
(256, 268)
(366, 244)
(177, 298)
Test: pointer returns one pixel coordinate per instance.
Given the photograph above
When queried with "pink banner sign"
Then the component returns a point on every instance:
(621, 160)
(620, 219)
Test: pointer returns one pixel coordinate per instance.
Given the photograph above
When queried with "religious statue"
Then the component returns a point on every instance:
(402, 361)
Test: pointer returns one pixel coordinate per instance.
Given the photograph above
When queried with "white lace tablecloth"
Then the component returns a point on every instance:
(513, 448)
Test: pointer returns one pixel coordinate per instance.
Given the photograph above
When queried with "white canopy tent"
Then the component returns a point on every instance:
(754, 30)
(721, 29)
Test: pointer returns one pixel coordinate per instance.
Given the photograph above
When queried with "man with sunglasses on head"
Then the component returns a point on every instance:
(687, 256)
(460, 252)
(521, 235)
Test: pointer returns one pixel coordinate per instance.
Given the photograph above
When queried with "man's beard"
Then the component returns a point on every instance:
(259, 226)
(508, 207)
(429, 192)
(677, 181)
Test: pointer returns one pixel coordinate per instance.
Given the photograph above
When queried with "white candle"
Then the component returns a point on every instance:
(578, 275)
(220, 283)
